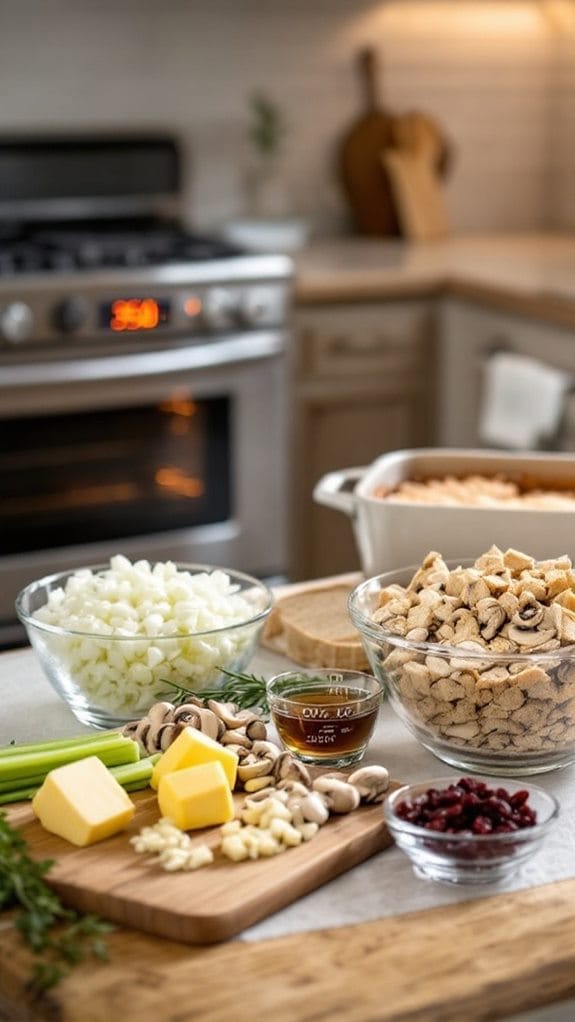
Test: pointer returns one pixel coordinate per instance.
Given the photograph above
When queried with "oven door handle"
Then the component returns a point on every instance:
(201, 355)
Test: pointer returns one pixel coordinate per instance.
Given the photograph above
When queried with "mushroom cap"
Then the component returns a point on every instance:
(372, 782)
(313, 807)
(339, 796)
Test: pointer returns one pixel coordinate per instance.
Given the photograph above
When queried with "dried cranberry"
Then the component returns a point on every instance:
(469, 806)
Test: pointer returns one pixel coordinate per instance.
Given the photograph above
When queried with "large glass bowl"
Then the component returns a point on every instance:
(463, 858)
(465, 705)
(110, 678)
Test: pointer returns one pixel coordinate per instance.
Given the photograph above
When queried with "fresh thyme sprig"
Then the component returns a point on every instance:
(246, 690)
(58, 936)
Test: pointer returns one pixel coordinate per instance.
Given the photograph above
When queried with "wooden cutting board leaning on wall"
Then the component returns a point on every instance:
(368, 183)
(412, 165)
(364, 181)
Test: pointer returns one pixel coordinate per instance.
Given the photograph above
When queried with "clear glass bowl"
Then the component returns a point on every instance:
(462, 858)
(465, 705)
(110, 679)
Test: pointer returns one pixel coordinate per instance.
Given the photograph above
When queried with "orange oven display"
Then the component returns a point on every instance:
(125, 315)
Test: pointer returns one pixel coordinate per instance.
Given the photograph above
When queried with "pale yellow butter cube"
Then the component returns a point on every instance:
(191, 748)
(82, 802)
(197, 796)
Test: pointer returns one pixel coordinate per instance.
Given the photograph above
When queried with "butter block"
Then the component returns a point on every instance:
(196, 796)
(191, 748)
(82, 802)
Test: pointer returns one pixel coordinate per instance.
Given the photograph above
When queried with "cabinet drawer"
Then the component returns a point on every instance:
(361, 339)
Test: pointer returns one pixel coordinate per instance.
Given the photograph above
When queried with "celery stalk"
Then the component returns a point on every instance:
(112, 750)
(132, 776)
(57, 743)
(18, 795)
(26, 781)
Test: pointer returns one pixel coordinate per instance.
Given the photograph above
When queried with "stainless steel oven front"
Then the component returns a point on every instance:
(176, 451)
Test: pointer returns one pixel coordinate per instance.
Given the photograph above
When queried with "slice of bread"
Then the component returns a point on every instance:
(313, 628)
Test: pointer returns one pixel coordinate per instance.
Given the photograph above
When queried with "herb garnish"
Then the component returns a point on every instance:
(59, 936)
(246, 690)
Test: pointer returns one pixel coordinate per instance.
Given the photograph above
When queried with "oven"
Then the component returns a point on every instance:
(143, 410)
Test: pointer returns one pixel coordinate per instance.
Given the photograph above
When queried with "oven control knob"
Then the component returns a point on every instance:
(16, 322)
(219, 311)
(258, 308)
(69, 315)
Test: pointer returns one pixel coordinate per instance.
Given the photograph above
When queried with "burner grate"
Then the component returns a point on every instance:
(83, 249)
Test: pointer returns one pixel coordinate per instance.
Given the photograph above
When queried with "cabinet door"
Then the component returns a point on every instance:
(467, 335)
(364, 387)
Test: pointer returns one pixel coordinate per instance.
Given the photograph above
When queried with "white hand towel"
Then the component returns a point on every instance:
(523, 401)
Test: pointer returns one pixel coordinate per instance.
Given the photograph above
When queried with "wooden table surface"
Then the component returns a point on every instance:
(485, 959)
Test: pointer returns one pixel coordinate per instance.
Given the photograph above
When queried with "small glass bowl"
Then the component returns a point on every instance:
(326, 716)
(110, 678)
(462, 858)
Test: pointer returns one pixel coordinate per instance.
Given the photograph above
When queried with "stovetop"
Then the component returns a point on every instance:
(82, 246)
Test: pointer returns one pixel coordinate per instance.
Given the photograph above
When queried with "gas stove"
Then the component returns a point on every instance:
(94, 251)
(93, 245)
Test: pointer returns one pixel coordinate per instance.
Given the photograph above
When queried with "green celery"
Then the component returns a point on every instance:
(132, 776)
(129, 773)
(18, 795)
(27, 781)
(57, 743)
(112, 750)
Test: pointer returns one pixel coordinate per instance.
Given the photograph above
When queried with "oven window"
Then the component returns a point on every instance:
(95, 476)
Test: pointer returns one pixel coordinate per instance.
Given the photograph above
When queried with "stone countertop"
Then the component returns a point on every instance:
(533, 274)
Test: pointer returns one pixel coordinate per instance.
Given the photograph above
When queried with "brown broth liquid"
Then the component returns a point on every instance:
(326, 723)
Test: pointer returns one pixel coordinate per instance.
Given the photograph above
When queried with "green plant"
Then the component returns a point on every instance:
(266, 126)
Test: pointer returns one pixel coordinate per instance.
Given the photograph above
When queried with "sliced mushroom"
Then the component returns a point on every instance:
(141, 734)
(241, 751)
(228, 712)
(129, 730)
(166, 734)
(528, 638)
(258, 768)
(256, 729)
(529, 612)
(295, 788)
(236, 738)
(159, 713)
(210, 724)
(313, 807)
(287, 766)
(372, 782)
(339, 796)
(261, 748)
(491, 617)
(187, 714)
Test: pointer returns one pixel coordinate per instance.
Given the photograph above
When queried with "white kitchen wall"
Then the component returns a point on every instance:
(491, 70)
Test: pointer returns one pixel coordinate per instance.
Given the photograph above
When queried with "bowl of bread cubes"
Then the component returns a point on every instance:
(478, 657)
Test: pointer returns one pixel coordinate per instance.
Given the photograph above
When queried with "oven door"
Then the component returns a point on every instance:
(179, 453)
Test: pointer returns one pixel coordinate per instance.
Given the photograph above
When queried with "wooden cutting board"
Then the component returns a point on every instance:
(413, 167)
(212, 903)
(364, 181)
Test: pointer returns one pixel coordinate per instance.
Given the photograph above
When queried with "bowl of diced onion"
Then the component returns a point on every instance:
(113, 639)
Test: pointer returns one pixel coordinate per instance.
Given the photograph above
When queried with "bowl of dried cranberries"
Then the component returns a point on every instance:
(469, 830)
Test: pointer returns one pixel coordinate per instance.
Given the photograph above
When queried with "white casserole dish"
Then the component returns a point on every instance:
(392, 535)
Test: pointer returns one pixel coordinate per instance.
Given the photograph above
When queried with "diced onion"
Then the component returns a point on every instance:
(138, 627)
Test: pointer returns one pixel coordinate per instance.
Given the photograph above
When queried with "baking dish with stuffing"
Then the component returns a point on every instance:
(391, 533)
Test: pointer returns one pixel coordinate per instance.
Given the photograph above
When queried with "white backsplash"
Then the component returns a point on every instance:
(499, 75)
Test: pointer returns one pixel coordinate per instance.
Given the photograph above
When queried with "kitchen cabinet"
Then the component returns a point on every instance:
(363, 383)
(468, 333)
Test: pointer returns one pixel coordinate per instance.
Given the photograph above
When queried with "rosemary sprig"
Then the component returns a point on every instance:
(58, 936)
(246, 690)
